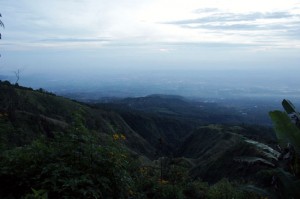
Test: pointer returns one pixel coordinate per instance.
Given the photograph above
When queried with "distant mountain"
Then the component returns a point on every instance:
(179, 107)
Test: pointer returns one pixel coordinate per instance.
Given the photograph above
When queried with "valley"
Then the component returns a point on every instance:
(151, 99)
(208, 141)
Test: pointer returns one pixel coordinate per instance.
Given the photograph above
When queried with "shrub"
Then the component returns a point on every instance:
(72, 165)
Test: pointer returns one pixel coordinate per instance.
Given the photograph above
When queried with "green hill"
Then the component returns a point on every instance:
(152, 147)
(224, 151)
(176, 107)
(33, 113)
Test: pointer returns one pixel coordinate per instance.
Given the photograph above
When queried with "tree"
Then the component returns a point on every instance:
(287, 129)
(1, 24)
(17, 73)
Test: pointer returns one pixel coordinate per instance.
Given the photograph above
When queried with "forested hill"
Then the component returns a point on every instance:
(152, 147)
(33, 113)
(202, 110)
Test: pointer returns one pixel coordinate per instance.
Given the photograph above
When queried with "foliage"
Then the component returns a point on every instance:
(286, 131)
(288, 134)
(37, 194)
(48, 150)
(196, 189)
(72, 164)
(287, 185)
(225, 189)
(177, 184)
(286, 125)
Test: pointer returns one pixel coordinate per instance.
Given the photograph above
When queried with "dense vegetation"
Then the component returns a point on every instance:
(52, 147)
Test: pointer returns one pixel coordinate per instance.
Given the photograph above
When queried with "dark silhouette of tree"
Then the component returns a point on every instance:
(1, 24)
(17, 73)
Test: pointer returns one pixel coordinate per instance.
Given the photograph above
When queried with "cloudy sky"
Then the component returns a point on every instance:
(92, 36)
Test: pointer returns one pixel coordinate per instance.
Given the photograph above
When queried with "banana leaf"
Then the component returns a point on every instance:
(286, 131)
(288, 106)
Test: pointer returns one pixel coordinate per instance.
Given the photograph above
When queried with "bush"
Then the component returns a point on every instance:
(224, 189)
(72, 165)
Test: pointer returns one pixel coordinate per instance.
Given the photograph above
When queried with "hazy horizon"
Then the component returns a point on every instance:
(136, 47)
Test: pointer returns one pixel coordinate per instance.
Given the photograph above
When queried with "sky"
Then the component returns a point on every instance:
(74, 38)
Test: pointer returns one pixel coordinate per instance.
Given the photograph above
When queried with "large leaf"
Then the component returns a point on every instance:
(289, 184)
(286, 131)
(288, 106)
(265, 150)
(253, 160)
(291, 111)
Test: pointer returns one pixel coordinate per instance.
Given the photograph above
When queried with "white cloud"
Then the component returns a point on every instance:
(137, 22)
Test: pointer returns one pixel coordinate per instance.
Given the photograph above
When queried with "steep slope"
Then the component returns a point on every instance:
(154, 128)
(26, 114)
(169, 130)
(226, 151)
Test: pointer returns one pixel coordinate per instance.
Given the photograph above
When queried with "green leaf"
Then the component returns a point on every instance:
(288, 106)
(286, 131)
(290, 184)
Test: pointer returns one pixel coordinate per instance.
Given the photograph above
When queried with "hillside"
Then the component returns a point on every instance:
(216, 151)
(176, 107)
(159, 146)
(34, 113)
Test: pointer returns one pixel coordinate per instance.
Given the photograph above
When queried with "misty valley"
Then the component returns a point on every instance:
(151, 99)
(156, 146)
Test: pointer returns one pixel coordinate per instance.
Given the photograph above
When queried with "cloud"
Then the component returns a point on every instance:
(206, 10)
(137, 23)
(242, 27)
(164, 50)
(210, 44)
(77, 40)
(233, 17)
(278, 26)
